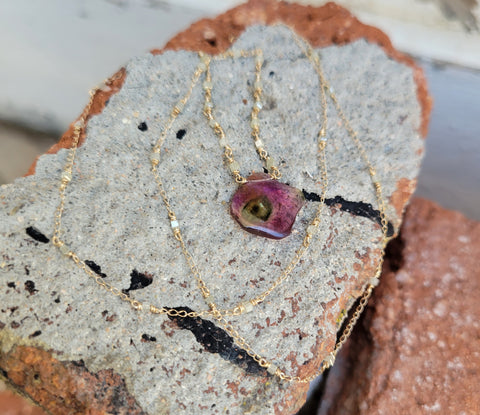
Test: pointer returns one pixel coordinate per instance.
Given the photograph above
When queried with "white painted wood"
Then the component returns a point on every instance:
(53, 52)
(420, 28)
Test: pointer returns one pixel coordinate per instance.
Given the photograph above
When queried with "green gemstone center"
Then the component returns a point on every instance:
(259, 208)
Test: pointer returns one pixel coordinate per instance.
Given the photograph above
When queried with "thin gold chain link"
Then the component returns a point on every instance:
(233, 165)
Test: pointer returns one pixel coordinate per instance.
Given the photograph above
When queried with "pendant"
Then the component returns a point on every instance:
(263, 206)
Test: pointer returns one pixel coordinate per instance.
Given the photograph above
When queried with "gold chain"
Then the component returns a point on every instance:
(213, 311)
(254, 123)
(246, 305)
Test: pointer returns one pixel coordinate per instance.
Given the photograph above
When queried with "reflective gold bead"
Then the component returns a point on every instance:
(66, 176)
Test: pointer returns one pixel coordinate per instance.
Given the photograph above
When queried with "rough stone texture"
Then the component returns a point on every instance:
(57, 324)
(418, 349)
(322, 26)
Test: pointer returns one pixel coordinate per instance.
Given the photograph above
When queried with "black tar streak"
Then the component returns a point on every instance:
(181, 133)
(355, 208)
(30, 287)
(138, 281)
(216, 340)
(37, 235)
(143, 126)
(148, 338)
(97, 269)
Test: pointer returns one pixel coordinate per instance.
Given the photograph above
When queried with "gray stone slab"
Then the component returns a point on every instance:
(115, 217)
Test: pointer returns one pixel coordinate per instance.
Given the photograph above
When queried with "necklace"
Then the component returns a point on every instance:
(246, 305)
(261, 205)
(214, 312)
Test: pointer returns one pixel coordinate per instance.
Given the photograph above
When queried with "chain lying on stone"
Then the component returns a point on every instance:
(246, 305)
(213, 311)
(233, 165)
